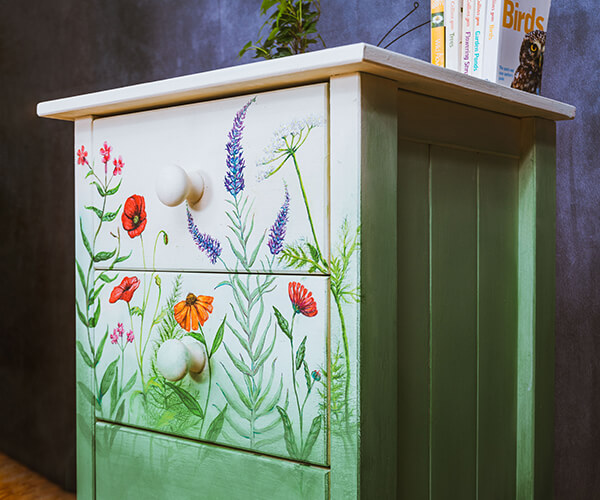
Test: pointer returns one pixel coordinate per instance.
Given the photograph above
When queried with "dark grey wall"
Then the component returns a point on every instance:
(66, 47)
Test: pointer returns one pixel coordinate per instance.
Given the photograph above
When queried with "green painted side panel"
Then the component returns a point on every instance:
(413, 320)
(453, 323)
(498, 216)
(153, 466)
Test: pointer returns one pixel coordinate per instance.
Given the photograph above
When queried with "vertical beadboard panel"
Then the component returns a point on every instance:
(497, 373)
(537, 191)
(453, 323)
(84, 336)
(413, 319)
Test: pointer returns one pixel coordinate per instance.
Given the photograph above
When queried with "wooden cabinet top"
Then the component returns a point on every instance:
(409, 73)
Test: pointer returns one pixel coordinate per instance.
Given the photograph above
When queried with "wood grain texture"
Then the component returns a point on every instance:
(409, 73)
(413, 319)
(142, 464)
(536, 311)
(378, 278)
(453, 250)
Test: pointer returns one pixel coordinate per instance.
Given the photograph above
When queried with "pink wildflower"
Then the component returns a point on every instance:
(118, 163)
(81, 156)
(130, 336)
(105, 152)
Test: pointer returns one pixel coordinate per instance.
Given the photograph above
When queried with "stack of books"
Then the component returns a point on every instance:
(483, 38)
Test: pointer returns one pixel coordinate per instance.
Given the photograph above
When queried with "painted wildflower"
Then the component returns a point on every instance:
(234, 178)
(207, 244)
(192, 311)
(105, 152)
(302, 300)
(124, 291)
(82, 156)
(116, 337)
(118, 163)
(316, 375)
(277, 232)
(134, 215)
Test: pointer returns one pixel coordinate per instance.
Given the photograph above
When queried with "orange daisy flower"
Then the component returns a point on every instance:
(193, 310)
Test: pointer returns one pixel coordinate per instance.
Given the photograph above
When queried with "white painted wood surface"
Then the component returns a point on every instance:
(409, 73)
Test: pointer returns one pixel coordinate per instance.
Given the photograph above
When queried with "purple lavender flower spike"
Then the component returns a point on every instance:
(204, 242)
(234, 178)
(277, 232)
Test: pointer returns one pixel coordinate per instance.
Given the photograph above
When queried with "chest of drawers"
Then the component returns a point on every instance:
(325, 276)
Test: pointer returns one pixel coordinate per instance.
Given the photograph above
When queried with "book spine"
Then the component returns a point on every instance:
(453, 21)
(437, 33)
(492, 40)
(467, 38)
(478, 36)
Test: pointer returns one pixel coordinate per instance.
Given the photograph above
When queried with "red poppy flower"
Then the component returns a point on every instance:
(81, 156)
(134, 215)
(105, 152)
(302, 299)
(118, 163)
(193, 310)
(125, 290)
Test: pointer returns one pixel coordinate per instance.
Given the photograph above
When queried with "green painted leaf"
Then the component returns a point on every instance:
(86, 242)
(110, 216)
(123, 258)
(307, 376)
(120, 412)
(314, 253)
(101, 348)
(81, 276)
(237, 254)
(261, 360)
(84, 354)
(300, 353)
(160, 317)
(283, 323)
(87, 393)
(243, 397)
(114, 392)
(215, 427)
(106, 278)
(102, 256)
(239, 364)
(97, 211)
(82, 317)
(94, 320)
(100, 189)
(239, 409)
(114, 190)
(255, 253)
(187, 399)
(97, 291)
(218, 338)
(130, 383)
(311, 439)
(136, 311)
(199, 336)
(107, 378)
(288, 433)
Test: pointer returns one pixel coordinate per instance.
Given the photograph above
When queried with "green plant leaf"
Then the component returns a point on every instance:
(136, 311)
(307, 375)
(243, 397)
(100, 348)
(97, 211)
(82, 317)
(283, 323)
(94, 320)
(100, 189)
(114, 190)
(106, 278)
(86, 242)
(300, 354)
(107, 378)
(122, 258)
(120, 412)
(110, 216)
(97, 291)
(215, 427)
(255, 253)
(288, 433)
(311, 439)
(114, 392)
(187, 399)
(199, 336)
(102, 256)
(218, 338)
(84, 354)
(81, 276)
(239, 364)
(89, 395)
(130, 383)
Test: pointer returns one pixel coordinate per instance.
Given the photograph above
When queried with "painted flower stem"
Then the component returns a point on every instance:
(300, 418)
(338, 304)
(208, 360)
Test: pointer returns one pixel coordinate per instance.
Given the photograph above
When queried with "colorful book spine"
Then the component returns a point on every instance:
(438, 41)
(492, 37)
(478, 36)
(467, 38)
(453, 21)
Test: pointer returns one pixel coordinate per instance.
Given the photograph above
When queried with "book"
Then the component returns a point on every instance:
(508, 21)
(466, 63)
(452, 21)
(479, 7)
(438, 42)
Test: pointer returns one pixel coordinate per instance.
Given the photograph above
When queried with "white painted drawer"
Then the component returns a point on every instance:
(251, 212)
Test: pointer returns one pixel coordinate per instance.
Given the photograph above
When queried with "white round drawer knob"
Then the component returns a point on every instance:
(173, 360)
(174, 185)
(197, 354)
